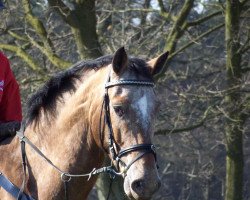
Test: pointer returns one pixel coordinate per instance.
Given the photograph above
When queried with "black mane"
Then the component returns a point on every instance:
(52, 91)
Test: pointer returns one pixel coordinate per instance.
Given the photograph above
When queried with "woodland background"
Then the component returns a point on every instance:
(203, 128)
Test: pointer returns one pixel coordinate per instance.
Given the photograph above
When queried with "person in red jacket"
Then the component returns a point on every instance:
(10, 101)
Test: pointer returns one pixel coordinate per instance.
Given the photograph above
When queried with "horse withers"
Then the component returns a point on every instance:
(107, 105)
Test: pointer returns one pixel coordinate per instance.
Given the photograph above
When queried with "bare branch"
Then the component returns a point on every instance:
(165, 15)
(17, 36)
(53, 58)
(172, 55)
(203, 19)
(24, 56)
(177, 30)
(196, 39)
(47, 47)
(188, 128)
(67, 15)
(37, 25)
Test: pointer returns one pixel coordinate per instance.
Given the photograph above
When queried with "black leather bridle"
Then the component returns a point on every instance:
(144, 148)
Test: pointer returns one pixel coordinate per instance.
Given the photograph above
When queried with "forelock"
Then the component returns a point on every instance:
(140, 67)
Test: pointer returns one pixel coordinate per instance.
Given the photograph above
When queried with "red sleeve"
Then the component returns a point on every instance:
(13, 108)
(10, 102)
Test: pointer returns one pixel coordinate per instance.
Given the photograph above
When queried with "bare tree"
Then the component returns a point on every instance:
(237, 105)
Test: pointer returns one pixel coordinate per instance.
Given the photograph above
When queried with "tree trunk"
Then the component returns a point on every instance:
(85, 32)
(234, 121)
(82, 20)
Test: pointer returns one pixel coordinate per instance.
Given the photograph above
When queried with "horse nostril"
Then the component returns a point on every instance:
(138, 185)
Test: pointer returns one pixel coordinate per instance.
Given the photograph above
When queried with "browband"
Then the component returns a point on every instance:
(129, 82)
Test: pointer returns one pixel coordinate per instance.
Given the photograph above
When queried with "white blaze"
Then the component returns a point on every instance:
(142, 109)
(142, 104)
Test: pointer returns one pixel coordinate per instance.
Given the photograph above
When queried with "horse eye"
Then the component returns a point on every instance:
(119, 110)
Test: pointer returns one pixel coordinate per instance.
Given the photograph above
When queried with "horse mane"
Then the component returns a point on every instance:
(52, 91)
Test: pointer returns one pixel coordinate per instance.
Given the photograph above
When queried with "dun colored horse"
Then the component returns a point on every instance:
(96, 107)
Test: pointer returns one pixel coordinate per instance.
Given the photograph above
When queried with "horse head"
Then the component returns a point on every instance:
(130, 108)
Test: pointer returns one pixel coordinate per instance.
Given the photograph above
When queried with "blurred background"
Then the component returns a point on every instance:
(203, 128)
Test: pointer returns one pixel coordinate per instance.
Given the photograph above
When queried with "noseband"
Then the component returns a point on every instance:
(144, 148)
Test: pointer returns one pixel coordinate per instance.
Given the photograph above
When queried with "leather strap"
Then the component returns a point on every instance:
(12, 189)
(138, 147)
(129, 82)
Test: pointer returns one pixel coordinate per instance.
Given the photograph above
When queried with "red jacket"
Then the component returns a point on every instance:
(10, 101)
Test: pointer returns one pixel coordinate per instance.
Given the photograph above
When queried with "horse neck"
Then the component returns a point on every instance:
(72, 136)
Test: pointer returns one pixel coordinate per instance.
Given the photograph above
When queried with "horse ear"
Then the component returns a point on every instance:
(120, 60)
(156, 64)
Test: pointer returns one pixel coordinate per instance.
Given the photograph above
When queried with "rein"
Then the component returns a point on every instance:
(65, 176)
(116, 157)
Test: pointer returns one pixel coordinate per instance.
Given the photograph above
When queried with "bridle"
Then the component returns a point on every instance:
(116, 157)
(144, 148)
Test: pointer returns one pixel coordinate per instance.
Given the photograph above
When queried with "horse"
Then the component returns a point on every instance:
(96, 107)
